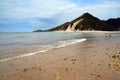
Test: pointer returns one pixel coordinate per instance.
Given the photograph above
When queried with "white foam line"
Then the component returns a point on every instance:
(24, 55)
(66, 43)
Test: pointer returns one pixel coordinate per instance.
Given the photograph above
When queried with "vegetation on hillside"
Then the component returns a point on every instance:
(89, 22)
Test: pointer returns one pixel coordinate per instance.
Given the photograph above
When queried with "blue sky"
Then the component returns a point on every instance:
(29, 15)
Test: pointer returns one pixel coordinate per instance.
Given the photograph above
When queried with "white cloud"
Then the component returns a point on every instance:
(59, 10)
(19, 9)
(22, 9)
(103, 10)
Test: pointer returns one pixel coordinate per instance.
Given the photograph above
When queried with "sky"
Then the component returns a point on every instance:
(29, 15)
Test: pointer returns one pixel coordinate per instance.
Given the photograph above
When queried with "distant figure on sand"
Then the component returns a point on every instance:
(107, 36)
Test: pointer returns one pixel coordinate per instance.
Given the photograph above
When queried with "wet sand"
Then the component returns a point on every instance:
(89, 60)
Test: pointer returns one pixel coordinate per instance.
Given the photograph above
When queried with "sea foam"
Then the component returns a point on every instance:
(60, 44)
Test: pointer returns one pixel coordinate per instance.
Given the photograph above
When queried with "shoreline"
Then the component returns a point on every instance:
(45, 50)
(91, 31)
(95, 60)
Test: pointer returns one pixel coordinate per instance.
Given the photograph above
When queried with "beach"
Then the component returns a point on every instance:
(94, 59)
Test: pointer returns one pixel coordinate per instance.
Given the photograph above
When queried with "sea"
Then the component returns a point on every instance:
(20, 44)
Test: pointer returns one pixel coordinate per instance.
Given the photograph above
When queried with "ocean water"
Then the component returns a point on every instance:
(18, 44)
(15, 45)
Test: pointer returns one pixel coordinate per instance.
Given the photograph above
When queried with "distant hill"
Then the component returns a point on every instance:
(115, 23)
(38, 31)
(89, 22)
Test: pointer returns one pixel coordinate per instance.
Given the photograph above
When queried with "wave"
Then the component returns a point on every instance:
(60, 44)
(69, 42)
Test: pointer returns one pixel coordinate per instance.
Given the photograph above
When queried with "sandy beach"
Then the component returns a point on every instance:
(97, 59)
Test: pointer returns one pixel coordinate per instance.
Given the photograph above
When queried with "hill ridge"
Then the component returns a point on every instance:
(88, 22)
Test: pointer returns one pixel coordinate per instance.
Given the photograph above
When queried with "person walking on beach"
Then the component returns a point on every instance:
(107, 36)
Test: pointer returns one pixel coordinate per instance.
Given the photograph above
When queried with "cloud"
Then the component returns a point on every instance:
(102, 10)
(19, 9)
(28, 11)
(24, 9)
(50, 13)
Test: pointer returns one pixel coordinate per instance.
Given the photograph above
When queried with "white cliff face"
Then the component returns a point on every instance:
(71, 27)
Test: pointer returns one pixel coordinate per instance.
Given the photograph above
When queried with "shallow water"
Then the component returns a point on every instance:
(15, 45)
(18, 44)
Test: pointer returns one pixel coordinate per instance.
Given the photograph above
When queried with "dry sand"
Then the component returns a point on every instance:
(90, 60)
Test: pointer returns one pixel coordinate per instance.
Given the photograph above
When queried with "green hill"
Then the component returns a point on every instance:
(88, 22)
